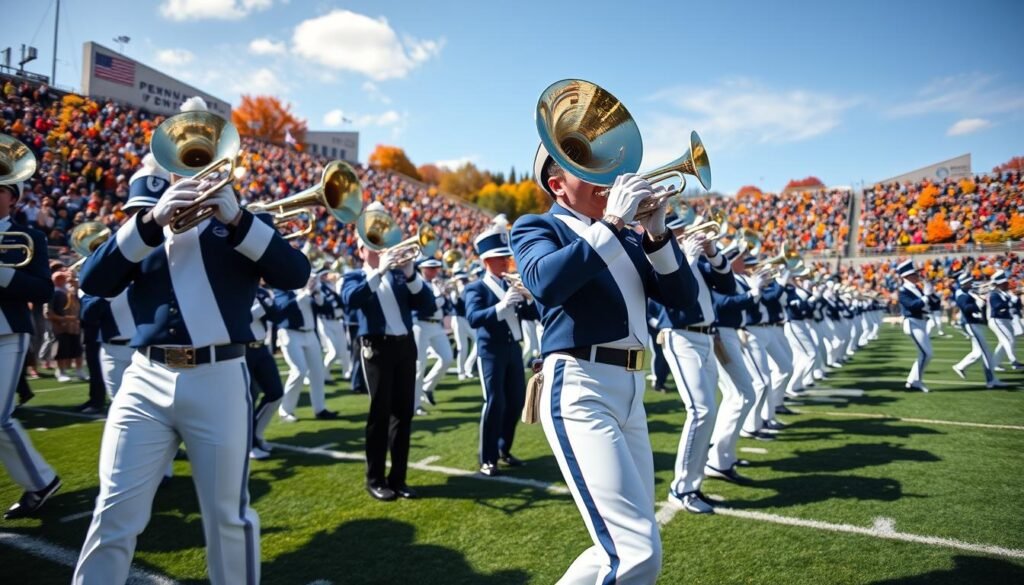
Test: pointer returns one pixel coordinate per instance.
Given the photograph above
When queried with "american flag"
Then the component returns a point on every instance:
(114, 69)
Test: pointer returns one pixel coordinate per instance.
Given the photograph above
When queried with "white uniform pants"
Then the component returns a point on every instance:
(25, 465)
(771, 364)
(836, 340)
(301, 351)
(801, 344)
(818, 330)
(853, 332)
(464, 338)
(335, 337)
(737, 400)
(979, 350)
(935, 324)
(531, 340)
(594, 419)
(691, 358)
(917, 329)
(114, 360)
(1003, 328)
(430, 335)
(209, 408)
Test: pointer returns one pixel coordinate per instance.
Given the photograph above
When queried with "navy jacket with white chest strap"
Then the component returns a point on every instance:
(298, 309)
(772, 297)
(359, 292)
(715, 275)
(492, 330)
(913, 302)
(999, 304)
(20, 286)
(578, 295)
(195, 288)
(333, 307)
(113, 316)
(970, 312)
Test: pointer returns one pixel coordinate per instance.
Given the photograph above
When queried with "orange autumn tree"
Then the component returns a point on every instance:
(926, 198)
(1014, 164)
(393, 158)
(805, 183)
(430, 173)
(938, 230)
(267, 118)
(1016, 230)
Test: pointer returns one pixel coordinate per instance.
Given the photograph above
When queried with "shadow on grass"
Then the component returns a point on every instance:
(819, 487)
(966, 571)
(848, 457)
(817, 429)
(375, 552)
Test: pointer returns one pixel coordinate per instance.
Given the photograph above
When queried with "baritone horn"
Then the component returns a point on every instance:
(17, 164)
(382, 234)
(85, 238)
(200, 146)
(592, 135)
(451, 258)
(339, 191)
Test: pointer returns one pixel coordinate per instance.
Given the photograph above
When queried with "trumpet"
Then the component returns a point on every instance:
(381, 233)
(591, 135)
(85, 238)
(451, 258)
(714, 227)
(515, 281)
(17, 164)
(339, 190)
(317, 257)
(772, 267)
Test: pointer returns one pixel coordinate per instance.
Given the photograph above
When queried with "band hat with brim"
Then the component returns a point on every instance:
(15, 188)
(492, 243)
(906, 268)
(965, 279)
(147, 184)
(460, 275)
(751, 261)
(1000, 277)
(430, 263)
(540, 164)
(731, 251)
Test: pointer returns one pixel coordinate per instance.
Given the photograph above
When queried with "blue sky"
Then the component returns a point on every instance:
(846, 91)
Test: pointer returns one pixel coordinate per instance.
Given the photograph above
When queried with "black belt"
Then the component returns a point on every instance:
(118, 342)
(428, 320)
(631, 359)
(189, 357)
(706, 330)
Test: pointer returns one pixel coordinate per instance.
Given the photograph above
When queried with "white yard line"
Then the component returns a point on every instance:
(429, 460)
(916, 420)
(58, 554)
(904, 381)
(73, 517)
(326, 446)
(62, 387)
(755, 450)
(833, 392)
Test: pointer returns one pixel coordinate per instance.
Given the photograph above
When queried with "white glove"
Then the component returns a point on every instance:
(226, 203)
(783, 279)
(693, 246)
(177, 196)
(511, 298)
(386, 262)
(655, 222)
(409, 269)
(756, 284)
(625, 194)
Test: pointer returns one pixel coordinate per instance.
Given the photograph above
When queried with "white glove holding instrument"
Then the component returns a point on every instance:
(409, 269)
(511, 298)
(756, 284)
(226, 203)
(179, 195)
(386, 262)
(783, 278)
(693, 246)
(654, 224)
(625, 195)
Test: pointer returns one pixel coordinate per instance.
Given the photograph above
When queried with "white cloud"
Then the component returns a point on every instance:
(174, 57)
(267, 47)
(211, 9)
(263, 81)
(456, 163)
(374, 93)
(390, 118)
(968, 94)
(737, 112)
(967, 126)
(349, 41)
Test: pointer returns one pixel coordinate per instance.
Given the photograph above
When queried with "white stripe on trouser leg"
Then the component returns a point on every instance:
(760, 375)
(737, 400)
(689, 355)
(781, 363)
(462, 333)
(1003, 328)
(114, 360)
(594, 419)
(979, 350)
(332, 331)
(430, 335)
(802, 346)
(25, 465)
(917, 329)
(301, 351)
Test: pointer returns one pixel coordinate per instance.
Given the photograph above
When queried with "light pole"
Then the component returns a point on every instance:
(121, 42)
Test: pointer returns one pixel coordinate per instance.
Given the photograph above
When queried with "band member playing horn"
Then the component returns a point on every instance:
(298, 312)
(464, 334)
(263, 374)
(24, 279)
(1000, 320)
(914, 308)
(331, 326)
(494, 308)
(428, 330)
(188, 379)
(973, 317)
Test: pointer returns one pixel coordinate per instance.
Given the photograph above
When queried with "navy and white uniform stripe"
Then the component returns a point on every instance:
(974, 321)
(914, 308)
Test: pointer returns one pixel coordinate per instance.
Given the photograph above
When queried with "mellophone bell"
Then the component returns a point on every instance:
(24, 279)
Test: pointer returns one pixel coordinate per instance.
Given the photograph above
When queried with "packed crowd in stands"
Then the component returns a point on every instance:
(976, 211)
(88, 151)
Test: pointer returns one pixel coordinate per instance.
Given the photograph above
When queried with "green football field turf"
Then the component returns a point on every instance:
(868, 484)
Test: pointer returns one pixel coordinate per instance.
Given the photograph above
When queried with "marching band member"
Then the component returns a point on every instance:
(495, 309)
(428, 331)
(688, 339)
(659, 365)
(833, 324)
(331, 326)
(934, 310)
(1000, 320)
(973, 318)
(914, 305)
(263, 374)
(18, 288)
(352, 320)
(383, 295)
(819, 331)
(296, 334)
(465, 358)
(591, 278)
(798, 333)
(188, 380)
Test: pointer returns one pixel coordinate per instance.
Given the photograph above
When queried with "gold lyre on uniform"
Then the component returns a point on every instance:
(591, 135)
(17, 164)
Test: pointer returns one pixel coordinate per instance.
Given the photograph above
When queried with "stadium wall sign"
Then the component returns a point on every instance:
(107, 74)
(954, 168)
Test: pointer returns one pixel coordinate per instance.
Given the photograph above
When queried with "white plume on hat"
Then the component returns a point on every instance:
(500, 220)
(194, 104)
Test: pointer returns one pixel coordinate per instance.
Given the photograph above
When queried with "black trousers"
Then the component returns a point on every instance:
(358, 382)
(97, 389)
(263, 377)
(391, 374)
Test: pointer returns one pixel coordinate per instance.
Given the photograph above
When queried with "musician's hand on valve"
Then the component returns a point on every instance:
(408, 268)
(226, 204)
(511, 298)
(757, 282)
(625, 195)
(179, 195)
(783, 278)
(692, 246)
(654, 224)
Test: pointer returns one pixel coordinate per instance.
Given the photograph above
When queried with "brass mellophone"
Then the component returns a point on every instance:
(17, 164)
(515, 281)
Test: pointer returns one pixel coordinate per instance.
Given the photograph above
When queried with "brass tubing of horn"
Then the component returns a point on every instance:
(28, 249)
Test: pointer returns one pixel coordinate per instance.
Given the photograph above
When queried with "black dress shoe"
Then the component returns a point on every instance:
(489, 469)
(511, 460)
(775, 425)
(382, 492)
(429, 395)
(327, 415)
(404, 491)
(730, 474)
(783, 410)
(24, 398)
(30, 502)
